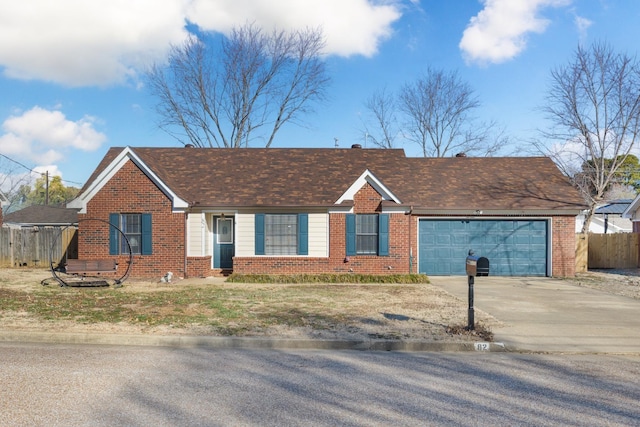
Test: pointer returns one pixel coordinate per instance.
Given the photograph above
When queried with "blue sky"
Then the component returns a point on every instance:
(71, 85)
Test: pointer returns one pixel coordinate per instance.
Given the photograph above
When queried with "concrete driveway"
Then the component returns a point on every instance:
(551, 315)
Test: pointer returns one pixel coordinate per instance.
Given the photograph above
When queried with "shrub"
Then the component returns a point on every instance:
(328, 278)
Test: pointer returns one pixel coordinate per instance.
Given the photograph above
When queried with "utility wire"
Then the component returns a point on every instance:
(34, 171)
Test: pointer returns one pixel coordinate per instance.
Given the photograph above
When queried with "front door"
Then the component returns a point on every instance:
(223, 247)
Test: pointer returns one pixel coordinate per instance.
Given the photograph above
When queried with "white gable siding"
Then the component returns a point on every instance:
(318, 235)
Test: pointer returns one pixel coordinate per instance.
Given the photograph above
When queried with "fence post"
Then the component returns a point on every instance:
(12, 246)
(582, 252)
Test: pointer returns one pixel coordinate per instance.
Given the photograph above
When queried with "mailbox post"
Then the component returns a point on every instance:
(472, 268)
(475, 266)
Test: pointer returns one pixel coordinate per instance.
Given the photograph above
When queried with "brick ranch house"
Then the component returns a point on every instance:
(200, 212)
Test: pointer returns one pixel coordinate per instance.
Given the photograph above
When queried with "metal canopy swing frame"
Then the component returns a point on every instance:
(55, 271)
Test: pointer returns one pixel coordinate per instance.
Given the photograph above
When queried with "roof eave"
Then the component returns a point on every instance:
(125, 155)
(495, 212)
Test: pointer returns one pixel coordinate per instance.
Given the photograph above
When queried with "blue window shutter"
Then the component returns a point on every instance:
(147, 247)
(351, 234)
(259, 234)
(114, 234)
(383, 234)
(303, 234)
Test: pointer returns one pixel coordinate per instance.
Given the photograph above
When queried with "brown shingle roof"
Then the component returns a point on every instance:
(318, 177)
(42, 215)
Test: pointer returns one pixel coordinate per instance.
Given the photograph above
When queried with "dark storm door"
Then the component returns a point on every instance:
(223, 246)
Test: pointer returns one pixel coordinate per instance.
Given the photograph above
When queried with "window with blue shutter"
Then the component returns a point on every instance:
(147, 247)
(281, 234)
(134, 229)
(351, 234)
(303, 234)
(383, 235)
(114, 234)
(259, 234)
(367, 234)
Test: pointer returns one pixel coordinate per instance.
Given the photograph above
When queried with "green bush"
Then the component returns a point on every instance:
(328, 278)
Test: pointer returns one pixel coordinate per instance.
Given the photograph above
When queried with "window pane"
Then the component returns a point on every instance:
(280, 234)
(367, 224)
(367, 234)
(367, 244)
(225, 230)
(131, 227)
(131, 223)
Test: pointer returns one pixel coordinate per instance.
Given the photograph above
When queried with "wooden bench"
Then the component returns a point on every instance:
(91, 266)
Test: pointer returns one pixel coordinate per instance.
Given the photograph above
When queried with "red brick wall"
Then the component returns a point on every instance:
(130, 191)
(200, 267)
(563, 246)
(367, 200)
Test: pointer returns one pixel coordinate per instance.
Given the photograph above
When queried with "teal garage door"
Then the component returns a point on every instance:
(513, 247)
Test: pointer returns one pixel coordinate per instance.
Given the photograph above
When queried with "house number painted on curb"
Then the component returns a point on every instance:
(482, 346)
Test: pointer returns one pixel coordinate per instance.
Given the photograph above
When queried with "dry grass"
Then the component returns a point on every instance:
(213, 307)
(624, 282)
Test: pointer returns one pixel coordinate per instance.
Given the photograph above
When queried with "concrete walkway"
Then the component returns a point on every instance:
(552, 315)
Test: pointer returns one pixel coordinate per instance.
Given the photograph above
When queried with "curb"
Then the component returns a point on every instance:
(247, 343)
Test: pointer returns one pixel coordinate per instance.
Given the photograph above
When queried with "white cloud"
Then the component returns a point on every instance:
(499, 32)
(352, 27)
(105, 42)
(79, 42)
(582, 24)
(44, 136)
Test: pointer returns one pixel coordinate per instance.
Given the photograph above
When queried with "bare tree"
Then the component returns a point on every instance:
(381, 106)
(438, 110)
(244, 89)
(14, 183)
(593, 104)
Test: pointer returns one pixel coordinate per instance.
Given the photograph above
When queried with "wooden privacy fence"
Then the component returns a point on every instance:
(617, 250)
(32, 247)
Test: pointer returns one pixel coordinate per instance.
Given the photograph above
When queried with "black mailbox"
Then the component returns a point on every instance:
(472, 264)
(477, 266)
(482, 267)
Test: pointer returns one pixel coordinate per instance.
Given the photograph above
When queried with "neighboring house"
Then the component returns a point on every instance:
(3, 202)
(608, 218)
(632, 212)
(41, 216)
(201, 212)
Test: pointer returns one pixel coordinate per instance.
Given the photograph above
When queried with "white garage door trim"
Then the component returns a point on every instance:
(548, 231)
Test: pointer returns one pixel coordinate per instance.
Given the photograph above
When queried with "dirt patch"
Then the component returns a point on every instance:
(213, 307)
(623, 282)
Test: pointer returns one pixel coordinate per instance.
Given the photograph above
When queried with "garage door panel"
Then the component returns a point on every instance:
(538, 240)
(443, 239)
(458, 239)
(514, 247)
(522, 239)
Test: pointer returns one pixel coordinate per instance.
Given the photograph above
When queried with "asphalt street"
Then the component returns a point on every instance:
(72, 385)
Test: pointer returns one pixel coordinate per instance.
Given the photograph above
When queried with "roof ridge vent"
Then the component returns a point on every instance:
(356, 146)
